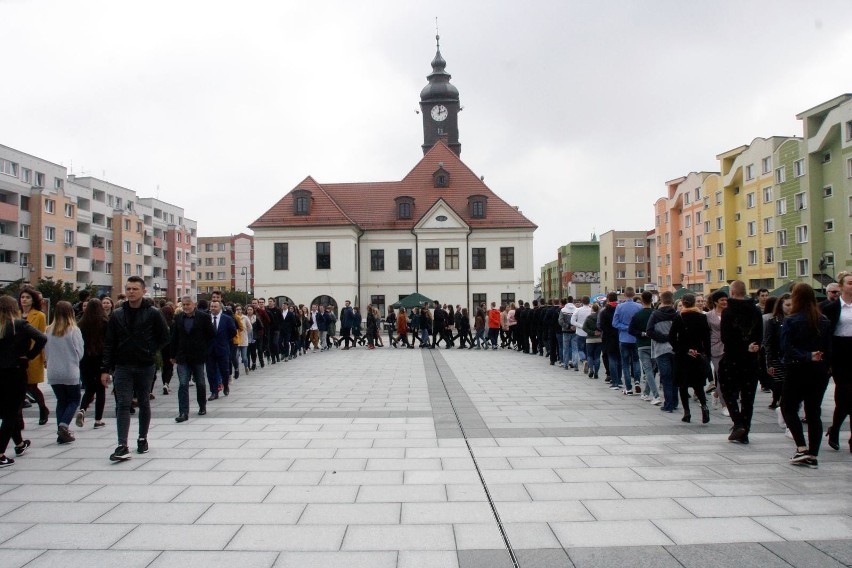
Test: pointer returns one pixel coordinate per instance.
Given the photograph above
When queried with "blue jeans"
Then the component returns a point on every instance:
(67, 401)
(665, 363)
(648, 371)
(630, 365)
(614, 368)
(579, 349)
(593, 355)
(130, 381)
(187, 372)
(566, 349)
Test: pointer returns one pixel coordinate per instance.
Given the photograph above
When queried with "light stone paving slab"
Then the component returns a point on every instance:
(809, 527)
(288, 538)
(336, 559)
(280, 477)
(154, 513)
(609, 533)
(826, 504)
(351, 514)
(68, 536)
(57, 512)
(313, 494)
(178, 537)
(89, 558)
(362, 478)
(48, 492)
(18, 558)
(478, 536)
(543, 512)
(741, 506)
(502, 492)
(636, 509)
(135, 494)
(251, 514)
(230, 494)
(571, 491)
(402, 494)
(446, 513)
(399, 537)
(218, 559)
(427, 559)
(715, 530)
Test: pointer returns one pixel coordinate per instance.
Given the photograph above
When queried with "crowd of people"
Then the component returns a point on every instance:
(722, 347)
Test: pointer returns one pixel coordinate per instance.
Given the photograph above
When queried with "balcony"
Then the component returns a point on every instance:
(8, 212)
(157, 242)
(98, 254)
(84, 265)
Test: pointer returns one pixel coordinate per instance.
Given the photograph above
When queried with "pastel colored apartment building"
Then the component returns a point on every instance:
(624, 261)
(226, 263)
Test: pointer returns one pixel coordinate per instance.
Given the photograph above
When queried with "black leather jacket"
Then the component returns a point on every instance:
(134, 342)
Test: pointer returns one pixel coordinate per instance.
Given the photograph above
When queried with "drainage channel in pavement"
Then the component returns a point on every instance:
(451, 403)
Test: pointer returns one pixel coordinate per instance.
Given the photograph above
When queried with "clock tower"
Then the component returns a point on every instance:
(439, 105)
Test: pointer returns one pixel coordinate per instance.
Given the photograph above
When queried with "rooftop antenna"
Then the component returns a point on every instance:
(158, 191)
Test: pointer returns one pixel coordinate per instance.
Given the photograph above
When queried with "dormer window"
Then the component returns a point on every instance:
(478, 206)
(404, 207)
(301, 202)
(441, 177)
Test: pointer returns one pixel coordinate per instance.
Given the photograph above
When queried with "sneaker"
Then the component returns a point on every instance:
(637, 389)
(645, 397)
(726, 412)
(166, 389)
(710, 388)
(20, 450)
(6, 462)
(656, 402)
(121, 453)
(628, 392)
(141, 446)
(99, 424)
(812, 463)
(608, 379)
(615, 388)
(64, 436)
(738, 434)
(80, 418)
(800, 458)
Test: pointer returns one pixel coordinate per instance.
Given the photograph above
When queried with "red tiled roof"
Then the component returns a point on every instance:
(371, 205)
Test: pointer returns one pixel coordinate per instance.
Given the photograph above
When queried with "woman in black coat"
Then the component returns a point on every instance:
(690, 339)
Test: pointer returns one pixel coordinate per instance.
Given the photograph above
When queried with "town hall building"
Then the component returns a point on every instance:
(439, 231)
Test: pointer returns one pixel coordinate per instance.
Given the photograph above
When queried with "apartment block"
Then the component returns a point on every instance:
(88, 231)
(226, 263)
(624, 261)
(579, 263)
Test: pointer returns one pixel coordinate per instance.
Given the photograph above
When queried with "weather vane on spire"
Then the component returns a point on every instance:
(437, 35)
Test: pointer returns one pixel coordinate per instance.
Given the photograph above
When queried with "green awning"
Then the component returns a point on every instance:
(414, 300)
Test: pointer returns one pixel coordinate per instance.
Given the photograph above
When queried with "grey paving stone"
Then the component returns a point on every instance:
(399, 537)
(427, 559)
(154, 513)
(135, 493)
(57, 512)
(824, 504)
(716, 530)
(840, 550)
(251, 514)
(608, 533)
(218, 559)
(571, 491)
(478, 536)
(89, 558)
(313, 494)
(279, 477)
(231, 494)
(402, 494)
(616, 557)
(740, 506)
(543, 512)
(630, 509)
(349, 559)
(802, 555)
(351, 514)
(288, 538)
(65, 536)
(9, 530)
(808, 527)
(484, 559)
(362, 478)
(18, 558)
(544, 558)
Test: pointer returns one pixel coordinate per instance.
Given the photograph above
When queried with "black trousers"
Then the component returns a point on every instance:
(805, 382)
(841, 370)
(12, 391)
(739, 379)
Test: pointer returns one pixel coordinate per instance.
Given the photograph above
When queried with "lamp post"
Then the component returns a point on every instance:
(245, 273)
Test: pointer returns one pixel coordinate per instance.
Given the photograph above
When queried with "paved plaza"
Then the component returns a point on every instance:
(437, 458)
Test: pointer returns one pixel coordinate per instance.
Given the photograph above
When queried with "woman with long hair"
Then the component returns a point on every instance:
(772, 344)
(168, 369)
(245, 335)
(93, 326)
(63, 352)
(425, 326)
(594, 344)
(372, 327)
(464, 328)
(690, 340)
(806, 352)
(30, 304)
(718, 303)
(402, 329)
(20, 343)
(108, 306)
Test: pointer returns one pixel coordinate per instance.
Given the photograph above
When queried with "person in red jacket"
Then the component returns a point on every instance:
(493, 325)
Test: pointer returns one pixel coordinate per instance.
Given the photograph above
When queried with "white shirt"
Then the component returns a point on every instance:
(844, 324)
(579, 318)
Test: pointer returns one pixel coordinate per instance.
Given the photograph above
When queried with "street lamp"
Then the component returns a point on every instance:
(245, 273)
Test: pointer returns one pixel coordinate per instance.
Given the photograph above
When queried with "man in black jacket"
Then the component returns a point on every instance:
(191, 337)
(742, 334)
(136, 331)
(276, 321)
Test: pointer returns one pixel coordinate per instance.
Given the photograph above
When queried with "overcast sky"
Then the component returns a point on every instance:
(577, 112)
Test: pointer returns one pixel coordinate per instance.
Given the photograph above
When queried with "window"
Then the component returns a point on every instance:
(801, 234)
(768, 255)
(220, 276)
(689, 266)
(719, 224)
(640, 258)
(799, 168)
(766, 164)
(720, 274)
(781, 207)
(782, 270)
(377, 260)
(639, 243)
(800, 201)
(507, 298)
(301, 204)
(138, 270)
(687, 221)
(507, 257)
(108, 245)
(69, 237)
(718, 198)
(220, 261)
(24, 231)
(621, 274)
(697, 218)
(108, 268)
(697, 193)
(849, 167)
(8, 168)
(220, 247)
(802, 267)
(379, 303)
(433, 261)
(179, 274)
(404, 259)
(50, 261)
(619, 242)
(827, 191)
(208, 247)
(208, 276)
(767, 195)
(780, 175)
(657, 221)
(640, 274)
(69, 262)
(49, 206)
(477, 209)
(752, 257)
(180, 256)
(139, 229)
(751, 228)
(688, 243)
(749, 172)
(706, 226)
(127, 247)
(767, 225)
(826, 158)
(667, 217)
(720, 249)
(848, 130)
(178, 235)
(324, 255)
(700, 263)
(451, 259)
(478, 258)
(280, 256)
(208, 261)
(69, 210)
(707, 251)
(708, 276)
(405, 210)
(686, 199)
(782, 238)
(668, 260)
(478, 300)
(751, 200)
(828, 226)
(138, 248)
(39, 179)
(25, 203)
(50, 234)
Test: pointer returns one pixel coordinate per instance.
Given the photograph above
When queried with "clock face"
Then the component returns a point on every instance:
(439, 112)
